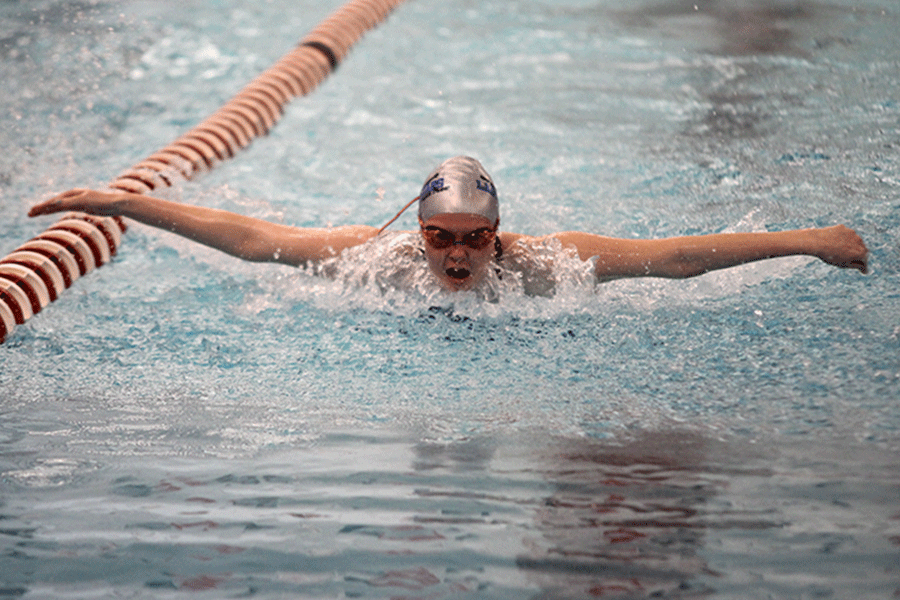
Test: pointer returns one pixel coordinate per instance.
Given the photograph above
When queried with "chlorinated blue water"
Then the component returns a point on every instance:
(180, 423)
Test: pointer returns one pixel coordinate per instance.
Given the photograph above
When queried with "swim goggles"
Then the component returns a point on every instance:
(441, 239)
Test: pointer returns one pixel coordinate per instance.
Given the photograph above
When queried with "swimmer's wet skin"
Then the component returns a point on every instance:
(459, 216)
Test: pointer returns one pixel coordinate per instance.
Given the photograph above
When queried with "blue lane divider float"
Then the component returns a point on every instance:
(38, 271)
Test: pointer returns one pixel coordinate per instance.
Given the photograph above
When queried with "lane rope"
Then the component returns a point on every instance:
(37, 272)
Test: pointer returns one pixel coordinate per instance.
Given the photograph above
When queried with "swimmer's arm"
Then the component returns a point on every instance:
(244, 237)
(689, 256)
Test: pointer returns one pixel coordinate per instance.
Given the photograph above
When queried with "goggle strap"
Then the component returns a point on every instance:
(397, 216)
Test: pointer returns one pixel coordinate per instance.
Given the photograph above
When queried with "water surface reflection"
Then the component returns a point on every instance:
(619, 519)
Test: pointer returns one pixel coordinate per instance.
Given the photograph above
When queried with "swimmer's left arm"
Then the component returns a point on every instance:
(689, 256)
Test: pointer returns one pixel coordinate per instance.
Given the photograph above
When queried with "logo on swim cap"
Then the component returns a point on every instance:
(486, 186)
(459, 185)
(431, 186)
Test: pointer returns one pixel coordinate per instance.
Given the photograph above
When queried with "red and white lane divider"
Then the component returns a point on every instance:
(37, 272)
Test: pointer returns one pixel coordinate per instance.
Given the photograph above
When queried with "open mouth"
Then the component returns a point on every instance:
(458, 274)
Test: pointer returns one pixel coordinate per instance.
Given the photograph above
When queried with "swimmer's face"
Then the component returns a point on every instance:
(459, 248)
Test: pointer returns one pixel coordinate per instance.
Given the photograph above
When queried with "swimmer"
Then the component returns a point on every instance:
(459, 216)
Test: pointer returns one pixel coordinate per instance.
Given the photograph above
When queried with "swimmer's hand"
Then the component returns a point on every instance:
(94, 202)
(842, 247)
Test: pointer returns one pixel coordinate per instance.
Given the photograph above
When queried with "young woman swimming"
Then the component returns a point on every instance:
(459, 217)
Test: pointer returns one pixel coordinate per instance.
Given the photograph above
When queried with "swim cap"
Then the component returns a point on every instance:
(459, 185)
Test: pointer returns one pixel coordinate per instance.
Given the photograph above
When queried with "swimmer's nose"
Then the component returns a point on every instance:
(458, 250)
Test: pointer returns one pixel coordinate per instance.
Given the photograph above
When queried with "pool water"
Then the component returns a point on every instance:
(180, 423)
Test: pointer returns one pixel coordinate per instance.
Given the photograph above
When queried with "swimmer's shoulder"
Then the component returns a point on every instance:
(519, 243)
(508, 239)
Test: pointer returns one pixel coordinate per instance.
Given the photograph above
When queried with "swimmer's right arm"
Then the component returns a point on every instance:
(241, 236)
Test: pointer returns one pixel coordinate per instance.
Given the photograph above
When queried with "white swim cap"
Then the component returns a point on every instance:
(459, 185)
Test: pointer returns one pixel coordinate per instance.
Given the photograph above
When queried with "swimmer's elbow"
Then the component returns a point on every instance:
(303, 246)
(260, 245)
(253, 251)
(647, 258)
(675, 264)
(682, 265)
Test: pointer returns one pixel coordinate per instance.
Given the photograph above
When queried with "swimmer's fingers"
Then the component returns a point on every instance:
(842, 247)
(89, 201)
